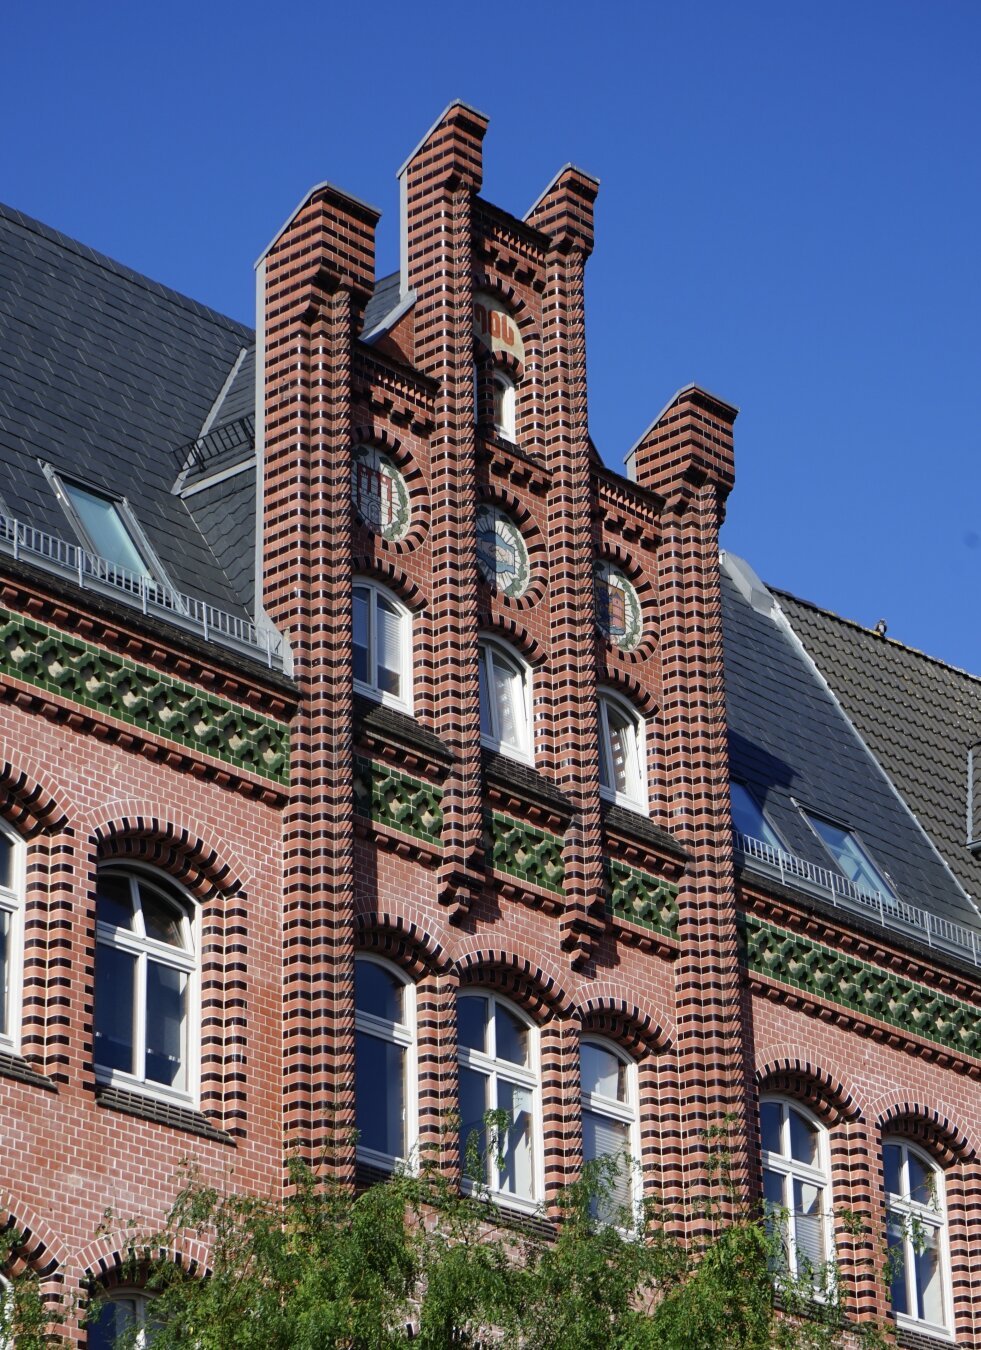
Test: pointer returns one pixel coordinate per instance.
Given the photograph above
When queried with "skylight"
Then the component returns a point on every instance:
(748, 818)
(850, 856)
(104, 528)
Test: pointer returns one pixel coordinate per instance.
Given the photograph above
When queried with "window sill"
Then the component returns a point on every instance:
(373, 695)
(912, 1335)
(508, 751)
(15, 1066)
(162, 1112)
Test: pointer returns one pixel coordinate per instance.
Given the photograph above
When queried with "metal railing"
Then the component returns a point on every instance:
(887, 909)
(230, 438)
(94, 573)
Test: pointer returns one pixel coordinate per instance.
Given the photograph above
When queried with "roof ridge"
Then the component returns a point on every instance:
(871, 632)
(102, 260)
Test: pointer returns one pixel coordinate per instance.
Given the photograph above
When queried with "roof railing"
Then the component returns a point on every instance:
(888, 910)
(229, 438)
(92, 572)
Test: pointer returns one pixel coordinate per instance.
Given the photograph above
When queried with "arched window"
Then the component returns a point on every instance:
(145, 984)
(622, 751)
(123, 1312)
(504, 400)
(498, 1049)
(384, 1074)
(382, 646)
(609, 1123)
(11, 934)
(505, 714)
(916, 1227)
(796, 1190)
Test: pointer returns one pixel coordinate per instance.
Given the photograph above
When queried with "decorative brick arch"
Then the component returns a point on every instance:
(824, 1088)
(140, 831)
(528, 978)
(647, 596)
(508, 630)
(403, 941)
(392, 577)
(109, 1260)
(611, 1012)
(36, 800)
(934, 1127)
(524, 319)
(41, 1249)
(624, 683)
(373, 434)
(496, 494)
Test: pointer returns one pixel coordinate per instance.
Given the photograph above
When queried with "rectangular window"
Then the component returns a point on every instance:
(104, 529)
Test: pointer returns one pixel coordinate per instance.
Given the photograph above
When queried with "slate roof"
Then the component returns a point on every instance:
(791, 742)
(918, 715)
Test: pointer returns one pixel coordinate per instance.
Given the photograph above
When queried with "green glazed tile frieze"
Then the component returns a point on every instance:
(865, 989)
(524, 852)
(641, 898)
(143, 697)
(388, 797)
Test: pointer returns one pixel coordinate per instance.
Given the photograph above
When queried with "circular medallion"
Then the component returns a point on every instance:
(618, 614)
(501, 553)
(379, 493)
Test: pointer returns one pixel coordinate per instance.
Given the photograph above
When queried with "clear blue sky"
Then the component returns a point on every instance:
(790, 214)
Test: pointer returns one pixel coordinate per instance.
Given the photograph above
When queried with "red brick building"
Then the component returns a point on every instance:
(366, 756)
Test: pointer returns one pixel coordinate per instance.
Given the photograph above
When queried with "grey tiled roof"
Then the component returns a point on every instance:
(103, 375)
(918, 715)
(791, 742)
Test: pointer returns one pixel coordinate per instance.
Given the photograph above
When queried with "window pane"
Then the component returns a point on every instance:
(361, 622)
(378, 991)
(4, 971)
(6, 862)
(894, 1238)
(803, 1139)
(603, 1072)
(115, 974)
(114, 900)
(891, 1162)
(512, 1036)
(516, 1177)
(927, 1278)
(507, 695)
(105, 527)
(775, 1206)
(748, 818)
(849, 855)
(115, 1318)
(162, 919)
(380, 1094)
(771, 1114)
(604, 1138)
(621, 752)
(473, 1140)
(389, 647)
(471, 1021)
(809, 1226)
(922, 1188)
(166, 1018)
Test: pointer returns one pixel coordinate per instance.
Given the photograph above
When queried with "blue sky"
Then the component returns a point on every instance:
(790, 214)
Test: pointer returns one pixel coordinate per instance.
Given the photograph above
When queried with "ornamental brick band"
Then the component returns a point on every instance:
(866, 990)
(143, 697)
(524, 852)
(649, 901)
(388, 797)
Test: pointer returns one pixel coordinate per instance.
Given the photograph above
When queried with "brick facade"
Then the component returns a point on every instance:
(408, 838)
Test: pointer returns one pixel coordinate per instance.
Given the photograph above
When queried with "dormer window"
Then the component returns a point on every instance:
(504, 397)
(851, 857)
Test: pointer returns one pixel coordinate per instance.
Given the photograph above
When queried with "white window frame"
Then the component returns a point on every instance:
(493, 1069)
(370, 688)
(141, 1301)
(403, 1034)
(491, 651)
(624, 1113)
(791, 1170)
(506, 426)
(912, 1212)
(187, 962)
(636, 795)
(12, 903)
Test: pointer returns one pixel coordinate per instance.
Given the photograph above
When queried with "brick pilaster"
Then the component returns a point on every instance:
(318, 276)
(440, 180)
(565, 213)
